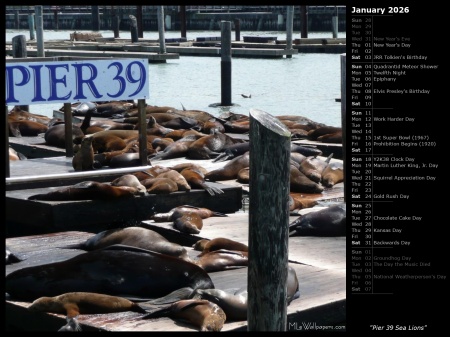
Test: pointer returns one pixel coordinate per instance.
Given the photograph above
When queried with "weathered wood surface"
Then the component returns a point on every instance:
(318, 262)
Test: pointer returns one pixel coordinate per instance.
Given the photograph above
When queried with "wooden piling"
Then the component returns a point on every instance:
(68, 129)
(270, 152)
(95, 18)
(162, 40)
(289, 28)
(343, 116)
(39, 31)
(183, 21)
(7, 172)
(143, 153)
(133, 29)
(237, 29)
(304, 21)
(225, 63)
(31, 26)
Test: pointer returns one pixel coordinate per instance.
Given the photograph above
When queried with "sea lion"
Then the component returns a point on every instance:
(306, 150)
(205, 315)
(243, 175)
(178, 211)
(333, 174)
(88, 190)
(312, 167)
(323, 130)
(117, 270)
(330, 221)
(196, 179)
(111, 140)
(178, 178)
(298, 203)
(220, 243)
(234, 303)
(189, 222)
(131, 181)
(209, 146)
(153, 128)
(135, 237)
(83, 160)
(17, 114)
(222, 259)
(26, 128)
(177, 149)
(127, 160)
(56, 135)
(335, 138)
(77, 303)
(159, 185)
(159, 144)
(233, 151)
(231, 169)
(299, 182)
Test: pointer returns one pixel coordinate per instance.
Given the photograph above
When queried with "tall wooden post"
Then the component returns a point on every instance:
(95, 18)
(225, 63)
(289, 28)
(143, 153)
(270, 151)
(162, 39)
(304, 21)
(139, 21)
(343, 117)
(31, 25)
(237, 29)
(39, 31)
(68, 129)
(183, 21)
(19, 49)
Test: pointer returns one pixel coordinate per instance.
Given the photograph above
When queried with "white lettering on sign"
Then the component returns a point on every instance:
(71, 81)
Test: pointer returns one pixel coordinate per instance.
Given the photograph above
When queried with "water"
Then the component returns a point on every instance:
(305, 85)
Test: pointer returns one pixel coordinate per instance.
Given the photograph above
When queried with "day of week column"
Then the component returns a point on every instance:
(361, 152)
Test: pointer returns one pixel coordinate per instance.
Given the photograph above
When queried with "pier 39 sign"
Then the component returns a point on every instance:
(72, 81)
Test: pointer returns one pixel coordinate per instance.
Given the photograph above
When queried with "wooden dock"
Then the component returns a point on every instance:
(150, 49)
(320, 265)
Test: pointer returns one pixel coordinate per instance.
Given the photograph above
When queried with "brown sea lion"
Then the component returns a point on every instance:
(159, 144)
(73, 304)
(159, 185)
(333, 174)
(180, 167)
(222, 259)
(26, 128)
(154, 128)
(305, 150)
(203, 314)
(200, 244)
(312, 167)
(190, 222)
(323, 130)
(243, 175)
(111, 140)
(221, 243)
(210, 146)
(83, 160)
(178, 211)
(117, 270)
(136, 237)
(299, 182)
(330, 221)
(17, 113)
(300, 202)
(177, 149)
(179, 134)
(335, 138)
(231, 169)
(88, 190)
(178, 178)
(196, 179)
(131, 181)
(199, 115)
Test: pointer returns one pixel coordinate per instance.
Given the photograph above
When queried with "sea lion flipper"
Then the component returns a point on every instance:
(212, 190)
(174, 296)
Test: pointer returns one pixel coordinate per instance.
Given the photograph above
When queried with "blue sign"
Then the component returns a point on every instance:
(76, 81)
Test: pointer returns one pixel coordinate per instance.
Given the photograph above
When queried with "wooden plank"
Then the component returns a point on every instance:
(50, 216)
